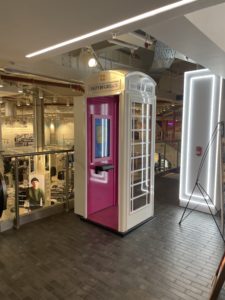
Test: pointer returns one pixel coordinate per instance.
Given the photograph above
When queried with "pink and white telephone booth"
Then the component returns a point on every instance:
(114, 150)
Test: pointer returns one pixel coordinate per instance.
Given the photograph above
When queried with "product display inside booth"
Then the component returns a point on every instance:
(115, 157)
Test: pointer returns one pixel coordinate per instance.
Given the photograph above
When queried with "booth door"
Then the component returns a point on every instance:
(102, 160)
(140, 206)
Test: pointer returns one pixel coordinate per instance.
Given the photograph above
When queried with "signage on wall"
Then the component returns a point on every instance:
(104, 86)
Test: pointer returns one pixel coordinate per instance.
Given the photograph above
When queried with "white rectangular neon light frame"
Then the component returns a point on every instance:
(184, 179)
(111, 27)
(189, 127)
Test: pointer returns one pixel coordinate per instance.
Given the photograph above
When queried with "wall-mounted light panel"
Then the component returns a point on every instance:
(201, 114)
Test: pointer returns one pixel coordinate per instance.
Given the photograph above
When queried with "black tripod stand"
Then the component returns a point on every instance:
(219, 128)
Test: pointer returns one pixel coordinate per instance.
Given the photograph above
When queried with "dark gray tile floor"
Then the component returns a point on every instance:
(62, 257)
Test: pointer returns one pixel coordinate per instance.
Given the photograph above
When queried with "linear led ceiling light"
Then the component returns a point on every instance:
(134, 19)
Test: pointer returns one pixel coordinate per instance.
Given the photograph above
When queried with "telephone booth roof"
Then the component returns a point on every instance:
(117, 81)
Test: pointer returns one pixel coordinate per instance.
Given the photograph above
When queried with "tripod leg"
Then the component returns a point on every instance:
(207, 195)
(182, 217)
(211, 213)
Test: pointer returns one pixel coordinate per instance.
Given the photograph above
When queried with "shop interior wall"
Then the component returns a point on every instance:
(15, 134)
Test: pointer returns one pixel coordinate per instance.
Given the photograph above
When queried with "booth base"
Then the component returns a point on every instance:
(92, 221)
(107, 217)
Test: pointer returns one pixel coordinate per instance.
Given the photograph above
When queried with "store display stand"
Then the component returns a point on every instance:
(219, 128)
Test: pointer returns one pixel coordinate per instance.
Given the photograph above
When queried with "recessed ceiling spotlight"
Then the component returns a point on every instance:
(20, 90)
(1, 83)
(40, 94)
(92, 62)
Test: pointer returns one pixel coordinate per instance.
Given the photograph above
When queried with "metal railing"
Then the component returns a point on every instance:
(23, 166)
(167, 155)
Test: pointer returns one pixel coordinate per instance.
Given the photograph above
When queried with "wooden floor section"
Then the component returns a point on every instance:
(62, 257)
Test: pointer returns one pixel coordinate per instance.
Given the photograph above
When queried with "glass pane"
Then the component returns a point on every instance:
(139, 149)
(139, 135)
(140, 155)
(148, 198)
(9, 176)
(139, 176)
(57, 178)
(141, 162)
(139, 123)
(140, 189)
(102, 138)
(139, 202)
(136, 108)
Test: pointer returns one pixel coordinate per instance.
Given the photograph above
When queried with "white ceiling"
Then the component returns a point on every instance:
(198, 35)
(30, 25)
(210, 21)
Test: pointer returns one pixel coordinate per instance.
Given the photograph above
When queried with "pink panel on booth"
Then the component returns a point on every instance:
(102, 160)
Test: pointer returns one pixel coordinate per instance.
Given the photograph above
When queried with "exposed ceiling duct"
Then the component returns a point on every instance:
(123, 44)
(163, 56)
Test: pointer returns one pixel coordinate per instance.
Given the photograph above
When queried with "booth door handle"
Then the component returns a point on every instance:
(102, 168)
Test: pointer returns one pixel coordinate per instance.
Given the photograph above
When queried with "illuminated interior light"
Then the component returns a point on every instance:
(102, 143)
(1, 83)
(111, 27)
(189, 129)
(218, 135)
(52, 126)
(92, 62)
(40, 94)
(183, 146)
(106, 137)
(20, 90)
(212, 122)
(190, 123)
